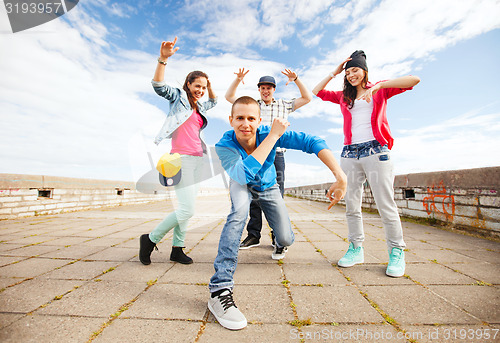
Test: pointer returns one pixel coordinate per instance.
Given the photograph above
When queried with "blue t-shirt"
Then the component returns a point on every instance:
(245, 169)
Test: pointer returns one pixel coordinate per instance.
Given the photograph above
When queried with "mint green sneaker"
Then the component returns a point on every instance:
(396, 266)
(352, 257)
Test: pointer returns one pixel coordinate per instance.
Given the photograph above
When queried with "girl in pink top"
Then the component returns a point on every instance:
(366, 154)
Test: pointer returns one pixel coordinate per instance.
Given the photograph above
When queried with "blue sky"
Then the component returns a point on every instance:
(76, 98)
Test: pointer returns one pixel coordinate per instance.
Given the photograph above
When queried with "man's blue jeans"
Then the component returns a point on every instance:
(274, 209)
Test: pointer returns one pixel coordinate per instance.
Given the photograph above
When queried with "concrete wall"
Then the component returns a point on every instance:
(31, 195)
(465, 199)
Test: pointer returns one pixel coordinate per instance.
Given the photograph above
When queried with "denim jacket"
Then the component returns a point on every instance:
(180, 109)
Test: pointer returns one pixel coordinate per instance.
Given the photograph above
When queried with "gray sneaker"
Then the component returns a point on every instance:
(222, 306)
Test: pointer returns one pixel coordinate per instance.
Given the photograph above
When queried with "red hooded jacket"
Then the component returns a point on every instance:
(380, 126)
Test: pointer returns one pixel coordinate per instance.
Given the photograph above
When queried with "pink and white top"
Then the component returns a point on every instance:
(186, 138)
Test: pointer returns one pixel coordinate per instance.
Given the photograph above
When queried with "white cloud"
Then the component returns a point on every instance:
(239, 26)
(409, 33)
(336, 131)
(457, 143)
(300, 174)
(121, 10)
(69, 112)
(74, 111)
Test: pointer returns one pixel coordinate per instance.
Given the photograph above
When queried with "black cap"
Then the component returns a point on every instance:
(269, 80)
(358, 60)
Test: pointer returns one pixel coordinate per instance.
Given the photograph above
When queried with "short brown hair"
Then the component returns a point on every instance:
(245, 100)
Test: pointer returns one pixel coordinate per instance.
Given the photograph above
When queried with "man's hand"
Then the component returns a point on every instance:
(338, 190)
(292, 76)
(240, 75)
(279, 127)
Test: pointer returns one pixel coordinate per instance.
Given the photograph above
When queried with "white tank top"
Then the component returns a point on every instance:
(361, 128)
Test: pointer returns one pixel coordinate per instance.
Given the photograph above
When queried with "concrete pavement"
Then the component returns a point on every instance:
(75, 277)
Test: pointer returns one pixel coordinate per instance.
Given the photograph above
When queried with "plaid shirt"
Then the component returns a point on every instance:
(276, 109)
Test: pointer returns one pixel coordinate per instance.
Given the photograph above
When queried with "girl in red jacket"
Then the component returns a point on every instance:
(366, 154)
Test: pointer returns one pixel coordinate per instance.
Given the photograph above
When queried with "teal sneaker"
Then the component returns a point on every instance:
(352, 257)
(396, 266)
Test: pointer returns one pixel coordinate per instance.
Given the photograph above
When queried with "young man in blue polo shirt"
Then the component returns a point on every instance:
(247, 154)
(270, 108)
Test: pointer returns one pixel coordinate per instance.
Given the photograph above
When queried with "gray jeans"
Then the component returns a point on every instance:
(371, 161)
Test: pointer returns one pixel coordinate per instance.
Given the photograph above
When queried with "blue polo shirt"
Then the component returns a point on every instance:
(245, 169)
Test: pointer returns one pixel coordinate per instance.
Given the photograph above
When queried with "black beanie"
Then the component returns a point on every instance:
(358, 60)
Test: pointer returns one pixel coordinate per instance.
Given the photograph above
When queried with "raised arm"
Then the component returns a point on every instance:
(338, 188)
(305, 95)
(167, 49)
(277, 129)
(211, 93)
(231, 91)
(322, 84)
(400, 82)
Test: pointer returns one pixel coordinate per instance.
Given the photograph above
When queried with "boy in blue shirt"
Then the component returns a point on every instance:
(247, 154)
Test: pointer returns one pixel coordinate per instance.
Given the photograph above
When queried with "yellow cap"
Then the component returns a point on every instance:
(169, 164)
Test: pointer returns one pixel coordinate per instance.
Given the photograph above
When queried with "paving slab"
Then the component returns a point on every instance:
(95, 299)
(374, 275)
(137, 272)
(73, 252)
(267, 303)
(333, 304)
(313, 274)
(76, 277)
(172, 302)
(31, 267)
(115, 254)
(413, 304)
(66, 241)
(81, 270)
(435, 274)
(487, 296)
(31, 294)
(483, 271)
(8, 318)
(185, 274)
(6, 260)
(9, 281)
(33, 250)
(5, 246)
(49, 329)
(253, 333)
(136, 330)
(304, 253)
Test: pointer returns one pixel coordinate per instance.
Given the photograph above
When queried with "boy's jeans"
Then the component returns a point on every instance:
(273, 206)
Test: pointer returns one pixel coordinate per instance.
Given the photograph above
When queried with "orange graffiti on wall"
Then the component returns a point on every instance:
(446, 203)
